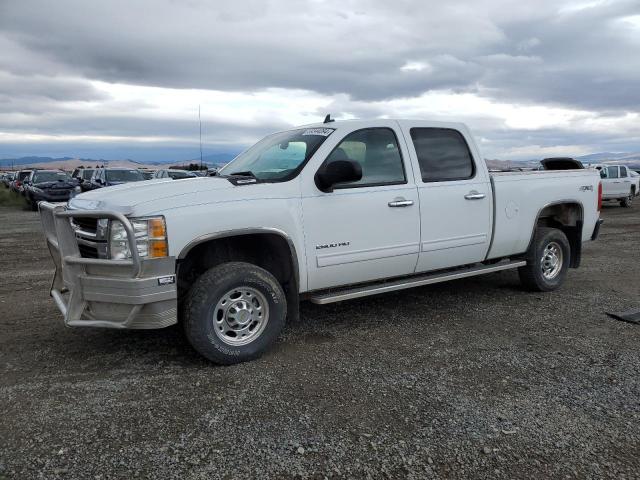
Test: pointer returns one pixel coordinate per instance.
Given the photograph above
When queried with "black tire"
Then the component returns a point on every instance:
(628, 201)
(202, 304)
(531, 275)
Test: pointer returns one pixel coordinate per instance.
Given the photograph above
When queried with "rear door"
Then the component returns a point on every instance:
(611, 183)
(455, 197)
(626, 180)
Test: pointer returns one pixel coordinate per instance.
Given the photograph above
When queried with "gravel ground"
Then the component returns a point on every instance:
(471, 379)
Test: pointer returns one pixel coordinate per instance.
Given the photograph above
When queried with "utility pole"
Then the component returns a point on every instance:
(200, 122)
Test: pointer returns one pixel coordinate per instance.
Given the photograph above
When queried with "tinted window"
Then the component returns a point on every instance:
(377, 152)
(123, 175)
(86, 174)
(443, 154)
(176, 174)
(623, 172)
(612, 172)
(40, 177)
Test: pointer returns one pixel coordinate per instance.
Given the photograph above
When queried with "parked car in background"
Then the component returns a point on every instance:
(635, 179)
(174, 174)
(617, 184)
(7, 178)
(16, 184)
(50, 185)
(148, 174)
(106, 177)
(326, 212)
(84, 179)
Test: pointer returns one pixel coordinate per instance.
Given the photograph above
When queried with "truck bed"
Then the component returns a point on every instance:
(520, 197)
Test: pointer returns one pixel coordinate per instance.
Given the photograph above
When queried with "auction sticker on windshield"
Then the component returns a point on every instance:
(323, 132)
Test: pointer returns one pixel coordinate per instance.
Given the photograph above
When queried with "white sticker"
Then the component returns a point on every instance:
(323, 132)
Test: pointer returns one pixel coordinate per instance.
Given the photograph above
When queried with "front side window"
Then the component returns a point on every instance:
(612, 172)
(443, 154)
(377, 152)
(623, 172)
(278, 157)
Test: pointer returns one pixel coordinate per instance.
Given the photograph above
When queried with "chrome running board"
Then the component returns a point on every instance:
(350, 293)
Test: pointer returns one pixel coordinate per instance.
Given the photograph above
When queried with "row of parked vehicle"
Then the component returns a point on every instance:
(38, 185)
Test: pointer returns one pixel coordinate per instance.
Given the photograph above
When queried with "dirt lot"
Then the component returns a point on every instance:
(475, 378)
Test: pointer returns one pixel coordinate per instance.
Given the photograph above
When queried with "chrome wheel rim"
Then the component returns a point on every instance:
(551, 261)
(240, 316)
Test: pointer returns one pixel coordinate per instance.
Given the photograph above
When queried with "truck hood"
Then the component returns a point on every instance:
(129, 197)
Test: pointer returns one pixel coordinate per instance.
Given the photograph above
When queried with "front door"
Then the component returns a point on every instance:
(455, 197)
(367, 229)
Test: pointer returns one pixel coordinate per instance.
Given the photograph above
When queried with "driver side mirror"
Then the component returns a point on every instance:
(337, 171)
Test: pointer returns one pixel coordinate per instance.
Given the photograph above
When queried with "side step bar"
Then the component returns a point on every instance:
(415, 281)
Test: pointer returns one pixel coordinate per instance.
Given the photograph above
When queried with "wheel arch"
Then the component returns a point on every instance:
(264, 247)
(567, 216)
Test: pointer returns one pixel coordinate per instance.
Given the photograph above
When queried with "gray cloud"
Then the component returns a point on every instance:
(582, 58)
(546, 52)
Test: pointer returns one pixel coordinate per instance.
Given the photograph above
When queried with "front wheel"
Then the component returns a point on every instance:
(547, 261)
(234, 312)
(627, 202)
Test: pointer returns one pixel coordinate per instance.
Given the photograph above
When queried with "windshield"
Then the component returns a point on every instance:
(278, 157)
(175, 174)
(41, 177)
(86, 174)
(123, 176)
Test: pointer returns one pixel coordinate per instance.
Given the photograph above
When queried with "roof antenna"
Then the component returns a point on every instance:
(200, 122)
(328, 119)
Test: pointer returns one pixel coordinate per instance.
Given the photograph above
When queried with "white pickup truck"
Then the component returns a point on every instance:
(324, 212)
(619, 183)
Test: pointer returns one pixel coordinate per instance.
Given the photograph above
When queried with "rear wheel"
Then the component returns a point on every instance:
(234, 312)
(628, 201)
(547, 261)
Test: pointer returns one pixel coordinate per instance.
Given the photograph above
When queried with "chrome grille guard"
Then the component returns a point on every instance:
(70, 266)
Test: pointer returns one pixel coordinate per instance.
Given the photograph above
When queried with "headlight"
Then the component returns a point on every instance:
(151, 238)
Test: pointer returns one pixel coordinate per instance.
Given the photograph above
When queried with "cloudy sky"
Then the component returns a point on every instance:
(124, 78)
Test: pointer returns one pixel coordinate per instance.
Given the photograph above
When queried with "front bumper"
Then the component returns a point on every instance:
(94, 292)
(45, 197)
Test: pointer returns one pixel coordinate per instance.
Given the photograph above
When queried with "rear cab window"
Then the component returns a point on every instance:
(443, 154)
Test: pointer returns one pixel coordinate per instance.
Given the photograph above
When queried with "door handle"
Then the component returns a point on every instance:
(401, 202)
(474, 195)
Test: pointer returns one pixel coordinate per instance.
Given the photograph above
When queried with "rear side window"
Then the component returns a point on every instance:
(443, 154)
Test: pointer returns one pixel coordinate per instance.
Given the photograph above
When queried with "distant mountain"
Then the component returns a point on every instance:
(214, 159)
(605, 156)
(43, 161)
